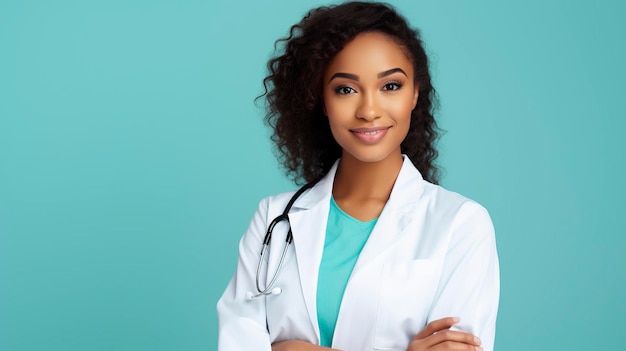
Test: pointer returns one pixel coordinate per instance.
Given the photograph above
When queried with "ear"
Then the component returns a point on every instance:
(324, 108)
(415, 96)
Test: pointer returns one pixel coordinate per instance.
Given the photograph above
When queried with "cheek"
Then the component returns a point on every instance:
(402, 110)
(402, 115)
(337, 110)
(331, 111)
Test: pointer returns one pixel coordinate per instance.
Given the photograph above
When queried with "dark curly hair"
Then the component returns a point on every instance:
(293, 88)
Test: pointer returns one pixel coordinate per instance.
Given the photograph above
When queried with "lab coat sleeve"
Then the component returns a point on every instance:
(242, 322)
(470, 282)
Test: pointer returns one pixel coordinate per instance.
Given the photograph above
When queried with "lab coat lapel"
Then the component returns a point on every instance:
(366, 276)
(308, 222)
(396, 215)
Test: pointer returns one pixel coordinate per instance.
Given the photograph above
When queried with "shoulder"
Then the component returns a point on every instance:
(278, 200)
(274, 205)
(458, 210)
(411, 188)
(445, 198)
(267, 210)
(305, 197)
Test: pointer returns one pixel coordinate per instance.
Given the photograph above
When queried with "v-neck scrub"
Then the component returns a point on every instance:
(345, 238)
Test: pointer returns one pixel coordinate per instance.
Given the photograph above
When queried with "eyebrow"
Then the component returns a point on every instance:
(390, 72)
(356, 78)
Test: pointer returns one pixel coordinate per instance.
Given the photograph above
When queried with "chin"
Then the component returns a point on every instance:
(372, 156)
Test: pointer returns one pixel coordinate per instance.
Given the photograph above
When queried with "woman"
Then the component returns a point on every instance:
(382, 258)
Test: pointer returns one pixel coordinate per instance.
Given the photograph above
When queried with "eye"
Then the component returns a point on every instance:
(344, 90)
(392, 86)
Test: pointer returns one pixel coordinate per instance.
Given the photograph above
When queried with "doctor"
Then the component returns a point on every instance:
(382, 258)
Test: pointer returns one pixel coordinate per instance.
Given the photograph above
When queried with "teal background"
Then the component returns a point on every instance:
(132, 158)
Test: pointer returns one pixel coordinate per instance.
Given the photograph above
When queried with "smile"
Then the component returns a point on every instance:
(370, 135)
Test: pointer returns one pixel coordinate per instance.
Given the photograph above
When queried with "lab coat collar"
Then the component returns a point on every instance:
(396, 215)
(320, 192)
(407, 187)
(309, 217)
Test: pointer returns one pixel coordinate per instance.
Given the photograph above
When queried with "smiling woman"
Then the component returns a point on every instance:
(376, 254)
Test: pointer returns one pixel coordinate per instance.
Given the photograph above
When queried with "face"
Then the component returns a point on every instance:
(369, 94)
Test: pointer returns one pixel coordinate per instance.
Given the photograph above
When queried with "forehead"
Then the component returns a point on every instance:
(370, 53)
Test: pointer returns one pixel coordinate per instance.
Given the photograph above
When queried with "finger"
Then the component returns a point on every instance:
(447, 339)
(450, 336)
(435, 326)
(457, 346)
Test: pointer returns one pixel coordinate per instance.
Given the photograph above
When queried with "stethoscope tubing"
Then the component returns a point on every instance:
(269, 288)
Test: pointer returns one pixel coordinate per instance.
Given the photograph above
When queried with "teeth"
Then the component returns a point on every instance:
(371, 133)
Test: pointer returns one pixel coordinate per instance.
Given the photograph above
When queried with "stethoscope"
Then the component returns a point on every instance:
(269, 288)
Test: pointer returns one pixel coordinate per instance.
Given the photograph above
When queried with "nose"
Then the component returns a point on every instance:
(369, 107)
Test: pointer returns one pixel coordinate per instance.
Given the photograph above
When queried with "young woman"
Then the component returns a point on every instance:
(382, 258)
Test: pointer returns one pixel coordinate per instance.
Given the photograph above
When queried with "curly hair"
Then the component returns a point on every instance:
(293, 88)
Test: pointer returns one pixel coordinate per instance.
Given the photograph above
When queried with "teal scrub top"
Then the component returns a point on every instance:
(345, 238)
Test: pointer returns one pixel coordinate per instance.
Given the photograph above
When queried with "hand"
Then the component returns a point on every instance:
(297, 345)
(437, 336)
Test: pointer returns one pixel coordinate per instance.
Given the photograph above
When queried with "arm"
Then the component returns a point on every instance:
(242, 323)
(470, 283)
(437, 336)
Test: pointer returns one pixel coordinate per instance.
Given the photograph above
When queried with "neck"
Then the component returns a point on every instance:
(366, 180)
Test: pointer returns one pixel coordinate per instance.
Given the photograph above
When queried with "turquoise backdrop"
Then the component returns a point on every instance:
(132, 158)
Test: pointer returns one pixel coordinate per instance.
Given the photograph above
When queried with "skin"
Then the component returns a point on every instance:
(369, 86)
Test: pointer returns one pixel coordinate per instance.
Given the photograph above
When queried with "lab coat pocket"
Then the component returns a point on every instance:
(406, 294)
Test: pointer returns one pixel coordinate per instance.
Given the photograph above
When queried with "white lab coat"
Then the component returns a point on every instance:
(432, 254)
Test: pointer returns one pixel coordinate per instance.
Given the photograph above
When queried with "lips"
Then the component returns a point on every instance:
(370, 135)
